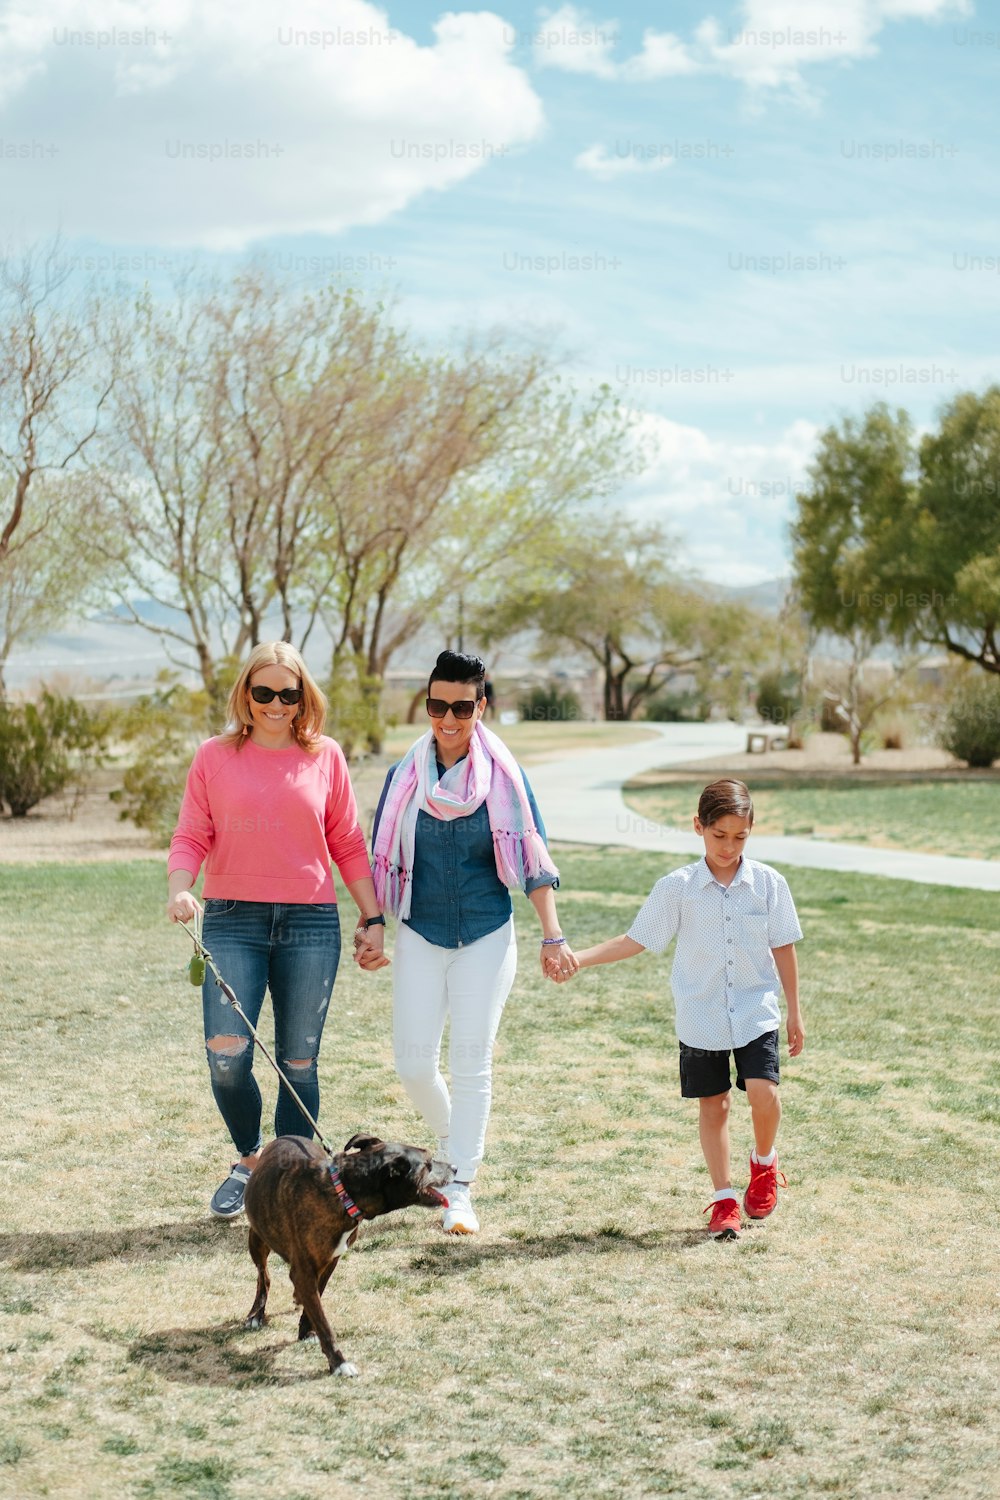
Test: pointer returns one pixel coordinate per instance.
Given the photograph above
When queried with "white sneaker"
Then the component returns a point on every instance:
(459, 1216)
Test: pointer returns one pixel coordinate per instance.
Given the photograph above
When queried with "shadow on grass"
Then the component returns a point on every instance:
(455, 1255)
(230, 1356)
(51, 1250)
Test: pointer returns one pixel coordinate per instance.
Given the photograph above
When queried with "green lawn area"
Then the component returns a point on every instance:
(935, 815)
(591, 1341)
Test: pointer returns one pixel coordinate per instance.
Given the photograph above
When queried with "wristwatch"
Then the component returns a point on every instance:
(378, 921)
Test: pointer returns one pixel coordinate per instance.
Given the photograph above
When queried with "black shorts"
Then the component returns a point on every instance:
(704, 1073)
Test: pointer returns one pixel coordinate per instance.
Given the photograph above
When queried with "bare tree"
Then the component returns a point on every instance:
(232, 403)
(293, 455)
(45, 573)
(490, 456)
(56, 375)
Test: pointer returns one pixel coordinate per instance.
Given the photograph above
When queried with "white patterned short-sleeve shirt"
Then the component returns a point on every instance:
(724, 979)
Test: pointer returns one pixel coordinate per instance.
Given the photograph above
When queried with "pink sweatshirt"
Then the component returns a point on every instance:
(266, 823)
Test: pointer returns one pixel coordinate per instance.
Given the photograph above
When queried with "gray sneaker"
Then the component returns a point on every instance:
(227, 1200)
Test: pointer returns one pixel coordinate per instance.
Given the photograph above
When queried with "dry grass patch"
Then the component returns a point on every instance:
(590, 1341)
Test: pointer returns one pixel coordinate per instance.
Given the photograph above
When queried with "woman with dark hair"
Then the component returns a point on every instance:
(456, 830)
(267, 804)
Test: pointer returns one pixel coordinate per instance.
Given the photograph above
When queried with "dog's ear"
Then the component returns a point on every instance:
(364, 1143)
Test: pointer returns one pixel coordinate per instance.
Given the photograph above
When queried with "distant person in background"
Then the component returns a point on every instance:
(456, 830)
(267, 804)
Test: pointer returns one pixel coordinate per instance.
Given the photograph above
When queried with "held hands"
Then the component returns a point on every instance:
(559, 962)
(368, 948)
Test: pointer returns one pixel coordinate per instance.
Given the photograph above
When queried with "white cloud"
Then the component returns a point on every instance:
(605, 168)
(767, 48)
(568, 39)
(162, 121)
(663, 55)
(728, 503)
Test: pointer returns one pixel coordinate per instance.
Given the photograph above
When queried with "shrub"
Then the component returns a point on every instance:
(354, 706)
(550, 702)
(666, 707)
(164, 729)
(779, 697)
(970, 729)
(46, 747)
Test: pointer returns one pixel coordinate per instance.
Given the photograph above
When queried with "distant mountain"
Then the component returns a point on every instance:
(768, 597)
(110, 649)
(146, 609)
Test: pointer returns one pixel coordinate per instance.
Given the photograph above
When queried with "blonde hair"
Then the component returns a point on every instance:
(307, 726)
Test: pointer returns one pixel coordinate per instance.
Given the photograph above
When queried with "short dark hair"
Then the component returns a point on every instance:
(724, 799)
(457, 666)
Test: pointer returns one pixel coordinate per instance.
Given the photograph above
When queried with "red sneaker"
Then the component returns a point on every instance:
(725, 1221)
(761, 1197)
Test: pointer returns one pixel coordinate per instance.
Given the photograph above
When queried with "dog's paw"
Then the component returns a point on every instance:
(345, 1369)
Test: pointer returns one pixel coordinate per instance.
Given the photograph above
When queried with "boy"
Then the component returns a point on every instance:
(736, 930)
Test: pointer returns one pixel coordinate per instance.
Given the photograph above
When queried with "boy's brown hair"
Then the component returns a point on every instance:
(723, 799)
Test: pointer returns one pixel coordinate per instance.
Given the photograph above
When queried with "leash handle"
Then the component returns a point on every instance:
(200, 948)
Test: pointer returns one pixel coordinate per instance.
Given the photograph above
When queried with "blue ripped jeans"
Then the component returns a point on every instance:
(292, 950)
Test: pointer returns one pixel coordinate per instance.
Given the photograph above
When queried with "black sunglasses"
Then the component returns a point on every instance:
(288, 696)
(463, 709)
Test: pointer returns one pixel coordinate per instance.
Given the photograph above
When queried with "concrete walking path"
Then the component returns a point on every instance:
(581, 801)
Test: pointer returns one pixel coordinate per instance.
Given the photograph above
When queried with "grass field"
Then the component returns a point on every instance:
(537, 739)
(934, 814)
(590, 1341)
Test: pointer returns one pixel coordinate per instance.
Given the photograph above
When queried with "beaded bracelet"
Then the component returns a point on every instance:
(548, 942)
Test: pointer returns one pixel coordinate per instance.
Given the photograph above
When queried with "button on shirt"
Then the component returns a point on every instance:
(457, 895)
(724, 979)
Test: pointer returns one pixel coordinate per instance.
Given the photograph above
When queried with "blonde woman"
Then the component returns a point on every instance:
(267, 804)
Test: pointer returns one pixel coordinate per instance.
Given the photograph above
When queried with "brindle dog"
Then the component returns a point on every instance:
(294, 1208)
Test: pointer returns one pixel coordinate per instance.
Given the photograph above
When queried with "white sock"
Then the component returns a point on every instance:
(764, 1161)
(725, 1193)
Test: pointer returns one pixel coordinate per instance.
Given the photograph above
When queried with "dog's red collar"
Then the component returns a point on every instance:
(350, 1207)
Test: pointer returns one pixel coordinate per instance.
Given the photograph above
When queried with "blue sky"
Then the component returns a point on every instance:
(748, 218)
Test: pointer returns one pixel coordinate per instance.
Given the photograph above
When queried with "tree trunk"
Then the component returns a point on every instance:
(415, 702)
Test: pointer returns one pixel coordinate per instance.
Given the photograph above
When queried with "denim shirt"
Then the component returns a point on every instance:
(457, 895)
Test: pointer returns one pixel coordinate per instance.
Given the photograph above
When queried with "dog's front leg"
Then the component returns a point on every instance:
(307, 1294)
(306, 1330)
(259, 1252)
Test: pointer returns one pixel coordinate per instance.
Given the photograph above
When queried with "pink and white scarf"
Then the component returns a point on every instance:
(490, 774)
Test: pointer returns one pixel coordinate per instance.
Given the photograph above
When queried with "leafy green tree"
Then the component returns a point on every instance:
(902, 543)
(607, 592)
(848, 530)
(951, 560)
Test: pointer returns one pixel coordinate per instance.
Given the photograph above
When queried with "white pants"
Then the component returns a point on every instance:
(470, 986)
